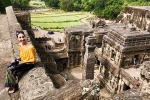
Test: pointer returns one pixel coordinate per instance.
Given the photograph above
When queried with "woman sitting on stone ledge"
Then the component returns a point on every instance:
(26, 62)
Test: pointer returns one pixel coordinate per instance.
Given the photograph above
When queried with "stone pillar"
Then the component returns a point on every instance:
(100, 67)
(89, 58)
(119, 85)
(120, 60)
(110, 77)
(122, 86)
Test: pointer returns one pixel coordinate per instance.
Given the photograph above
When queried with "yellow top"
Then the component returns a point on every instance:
(27, 55)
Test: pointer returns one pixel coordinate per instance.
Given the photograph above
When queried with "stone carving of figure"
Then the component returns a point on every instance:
(74, 40)
(98, 22)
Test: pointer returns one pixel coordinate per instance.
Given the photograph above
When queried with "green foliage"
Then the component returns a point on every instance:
(66, 5)
(108, 8)
(99, 6)
(87, 5)
(3, 4)
(20, 3)
(112, 8)
(37, 4)
(52, 3)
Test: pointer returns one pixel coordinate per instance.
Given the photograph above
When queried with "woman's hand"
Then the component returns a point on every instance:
(21, 62)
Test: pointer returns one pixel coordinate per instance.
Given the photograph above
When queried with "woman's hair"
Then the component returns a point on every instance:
(19, 32)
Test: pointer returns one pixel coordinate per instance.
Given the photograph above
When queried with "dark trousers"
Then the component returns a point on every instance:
(22, 68)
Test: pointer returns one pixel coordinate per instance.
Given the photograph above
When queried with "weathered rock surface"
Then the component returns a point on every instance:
(131, 95)
(138, 15)
(35, 84)
(6, 54)
(43, 81)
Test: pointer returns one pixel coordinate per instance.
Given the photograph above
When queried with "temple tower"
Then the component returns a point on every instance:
(89, 58)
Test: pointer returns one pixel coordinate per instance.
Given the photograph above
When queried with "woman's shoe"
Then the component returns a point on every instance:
(11, 90)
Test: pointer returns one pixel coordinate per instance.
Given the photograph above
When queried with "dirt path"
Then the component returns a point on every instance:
(84, 20)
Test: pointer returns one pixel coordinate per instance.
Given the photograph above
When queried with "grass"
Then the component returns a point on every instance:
(37, 4)
(58, 18)
(55, 19)
(67, 24)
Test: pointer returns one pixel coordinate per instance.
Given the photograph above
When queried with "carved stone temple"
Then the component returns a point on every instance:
(120, 49)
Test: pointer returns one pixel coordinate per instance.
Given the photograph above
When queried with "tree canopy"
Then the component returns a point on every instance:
(101, 8)
(52, 3)
(3, 4)
(14, 3)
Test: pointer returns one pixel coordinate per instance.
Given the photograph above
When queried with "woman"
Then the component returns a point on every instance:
(26, 62)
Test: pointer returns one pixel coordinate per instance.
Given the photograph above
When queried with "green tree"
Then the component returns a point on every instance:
(77, 5)
(108, 8)
(66, 5)
(87, 5)
(20, 3)
(113, 8)
(14, 3)
(3, 4)
(99, 6)
(52, 3)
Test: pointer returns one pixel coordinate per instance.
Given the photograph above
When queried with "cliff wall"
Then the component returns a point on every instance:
(138, 15)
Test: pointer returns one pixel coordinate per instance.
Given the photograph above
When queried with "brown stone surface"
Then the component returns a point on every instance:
(43, 81)
(6, 54)
(139, 15)
(131, 95)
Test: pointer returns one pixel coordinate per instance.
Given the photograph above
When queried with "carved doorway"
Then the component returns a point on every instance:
(64, 66)
(126, 87)
(135, 59)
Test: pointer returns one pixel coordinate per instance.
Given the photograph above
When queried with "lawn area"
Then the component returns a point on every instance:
(37, 4)
(55, 19)
(53, 25)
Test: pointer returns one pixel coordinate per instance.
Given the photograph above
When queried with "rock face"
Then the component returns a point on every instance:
(131, 95)
(35, 84)
(146, 70)
(139, 15)
(43, 81)
(6, 54)
(84, 90)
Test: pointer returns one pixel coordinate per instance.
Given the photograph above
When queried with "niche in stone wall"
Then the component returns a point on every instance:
(126, 87)
(97, 61)
(64, 66)
(135, 59)
(113, 54)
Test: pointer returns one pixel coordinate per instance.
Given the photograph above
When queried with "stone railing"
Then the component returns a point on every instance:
(40, 79)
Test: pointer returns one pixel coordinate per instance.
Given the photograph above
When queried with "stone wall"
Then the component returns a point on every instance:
(37, 82)
(140, 16)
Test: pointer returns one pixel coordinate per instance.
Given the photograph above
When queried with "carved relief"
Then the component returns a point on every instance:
(97, 22)
(75, 41)
(128, 61)
(71, 60)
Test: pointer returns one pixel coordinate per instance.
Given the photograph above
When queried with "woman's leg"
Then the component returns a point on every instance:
(10, 82)
(22, 68)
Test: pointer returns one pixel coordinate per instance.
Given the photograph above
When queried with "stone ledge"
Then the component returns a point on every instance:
(35, 83)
